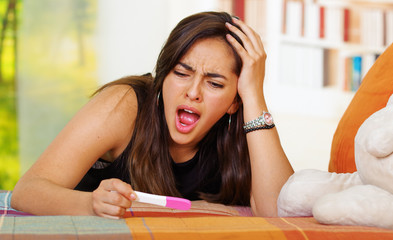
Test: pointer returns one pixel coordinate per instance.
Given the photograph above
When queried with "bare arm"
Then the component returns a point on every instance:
(270, 167)
(102, 125)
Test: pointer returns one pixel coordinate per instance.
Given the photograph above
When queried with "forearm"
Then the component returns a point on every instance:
(270, 167)
(270, 170)
(41, 197)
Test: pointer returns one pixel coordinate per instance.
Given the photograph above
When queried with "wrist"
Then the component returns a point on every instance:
(90, 204)
(253, 108)
(251, 93)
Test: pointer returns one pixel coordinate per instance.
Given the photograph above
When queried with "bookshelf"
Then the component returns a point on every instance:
(318, 50)
(350, 34)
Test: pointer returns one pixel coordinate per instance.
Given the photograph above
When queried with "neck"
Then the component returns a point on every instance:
(182, 154)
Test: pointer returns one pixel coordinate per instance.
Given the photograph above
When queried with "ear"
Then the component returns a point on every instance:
(234, 106)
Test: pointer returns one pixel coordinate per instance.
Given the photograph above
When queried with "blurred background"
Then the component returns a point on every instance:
(9, 161)
(54, 54)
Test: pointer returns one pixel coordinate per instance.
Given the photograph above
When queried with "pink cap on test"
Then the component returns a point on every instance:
(178, 203)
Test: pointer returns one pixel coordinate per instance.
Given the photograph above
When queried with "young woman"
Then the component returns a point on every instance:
(198, 129)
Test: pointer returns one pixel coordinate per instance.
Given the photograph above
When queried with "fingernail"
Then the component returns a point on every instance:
(133, 197)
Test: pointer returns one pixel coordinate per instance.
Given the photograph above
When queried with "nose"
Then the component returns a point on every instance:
(194, 91)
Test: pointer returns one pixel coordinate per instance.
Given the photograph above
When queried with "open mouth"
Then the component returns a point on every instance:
(186, 119)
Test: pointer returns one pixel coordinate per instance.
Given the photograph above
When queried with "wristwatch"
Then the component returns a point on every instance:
(265, 121)
(268, 118)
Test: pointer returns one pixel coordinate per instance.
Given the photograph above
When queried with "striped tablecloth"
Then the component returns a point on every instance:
(202, 221)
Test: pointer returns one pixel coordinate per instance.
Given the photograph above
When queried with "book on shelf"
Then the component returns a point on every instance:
(254, 12)
(355, 69)
(346, 24)
(322, 22)
(389, 27)
(334, 24)
(356, 75)
(225, 6)
(294, 18)
(353, 27)
(373, 27)
(311, 21)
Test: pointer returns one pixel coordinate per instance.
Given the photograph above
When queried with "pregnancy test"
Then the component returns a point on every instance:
(170, 202)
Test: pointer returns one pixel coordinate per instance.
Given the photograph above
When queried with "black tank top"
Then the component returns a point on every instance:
(189, 176)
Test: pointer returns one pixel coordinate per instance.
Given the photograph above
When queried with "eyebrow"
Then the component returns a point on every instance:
(211, 75)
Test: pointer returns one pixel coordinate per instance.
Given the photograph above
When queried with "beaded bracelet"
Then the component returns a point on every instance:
(259, 128)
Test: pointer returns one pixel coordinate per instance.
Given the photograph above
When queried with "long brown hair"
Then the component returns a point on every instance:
(149, 159)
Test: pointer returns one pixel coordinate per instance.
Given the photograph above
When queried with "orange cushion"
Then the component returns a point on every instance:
(372, 95)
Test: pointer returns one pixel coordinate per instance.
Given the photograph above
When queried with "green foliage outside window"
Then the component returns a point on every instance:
(47, 72)
(9, 163)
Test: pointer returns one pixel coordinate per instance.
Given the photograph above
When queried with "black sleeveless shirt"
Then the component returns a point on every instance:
(190, 177)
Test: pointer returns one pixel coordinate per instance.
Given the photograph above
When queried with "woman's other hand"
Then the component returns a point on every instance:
(250, 82)
(112, 198)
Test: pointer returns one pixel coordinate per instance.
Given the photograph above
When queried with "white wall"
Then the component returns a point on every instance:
(131, 32)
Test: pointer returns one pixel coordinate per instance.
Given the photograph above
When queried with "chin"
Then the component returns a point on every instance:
(184, 139)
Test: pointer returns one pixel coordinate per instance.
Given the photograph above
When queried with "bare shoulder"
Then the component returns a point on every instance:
(116, 97)
(104, 124)
(115, 107)
(113, 104)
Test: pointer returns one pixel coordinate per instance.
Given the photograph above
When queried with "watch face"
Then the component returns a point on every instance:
(268, 118)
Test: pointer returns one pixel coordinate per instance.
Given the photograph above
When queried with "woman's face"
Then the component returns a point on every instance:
(199, 90)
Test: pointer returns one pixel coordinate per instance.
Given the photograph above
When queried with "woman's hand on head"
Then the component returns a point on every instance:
(250, 82)
(112, 198)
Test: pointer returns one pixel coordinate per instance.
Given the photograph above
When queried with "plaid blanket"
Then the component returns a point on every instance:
(202, 221)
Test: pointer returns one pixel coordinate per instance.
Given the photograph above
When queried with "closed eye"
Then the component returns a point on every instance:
(216, 85)
(180, 74)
